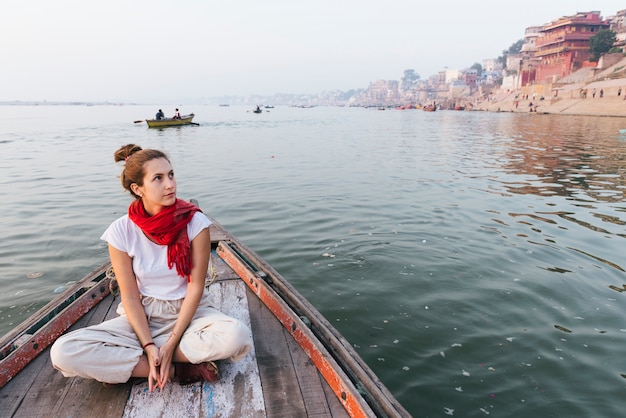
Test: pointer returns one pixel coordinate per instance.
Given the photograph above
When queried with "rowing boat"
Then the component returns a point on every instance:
(300, 364)
(165, 122)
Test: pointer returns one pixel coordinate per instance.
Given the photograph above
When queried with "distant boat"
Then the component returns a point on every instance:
(429, 108)
(258, 110)
(269, 107)
(224, 105)
(165, 122)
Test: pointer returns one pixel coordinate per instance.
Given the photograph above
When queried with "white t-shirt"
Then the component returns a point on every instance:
(154, 277)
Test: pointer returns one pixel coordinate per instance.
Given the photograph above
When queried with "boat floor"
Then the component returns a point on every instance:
(277, 379)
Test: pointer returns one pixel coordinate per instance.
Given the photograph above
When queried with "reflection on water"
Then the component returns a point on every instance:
(473, 259)
(576, 160)
(583, 165)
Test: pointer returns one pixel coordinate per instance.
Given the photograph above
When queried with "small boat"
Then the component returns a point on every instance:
(300, 364)
(165, 122)
(459, 107)
(429, 108)
(258, 110)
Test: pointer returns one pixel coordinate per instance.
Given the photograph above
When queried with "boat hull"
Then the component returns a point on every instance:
(166, 122)
(294, 345)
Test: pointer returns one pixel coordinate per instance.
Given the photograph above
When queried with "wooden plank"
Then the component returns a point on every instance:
(12, 395)
(280, 383)
(336, 408)
(237, 394)
(312, 385)
(76, 398)
(217, 233)
(173, 401)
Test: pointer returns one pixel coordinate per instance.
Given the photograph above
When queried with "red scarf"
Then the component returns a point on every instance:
(168, 227)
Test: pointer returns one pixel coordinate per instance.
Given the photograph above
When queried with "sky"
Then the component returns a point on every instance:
(176, 50)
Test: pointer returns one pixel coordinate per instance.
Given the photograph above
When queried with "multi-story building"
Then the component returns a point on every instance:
(563, 45)
(382, 92)
(528, 63)
(618, 25)
(492, 64)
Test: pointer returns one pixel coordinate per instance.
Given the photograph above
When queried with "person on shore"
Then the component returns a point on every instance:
(160, 115)
(619, 92)
(601, 93)
(167, 330)
(593, 93)
(176, 114)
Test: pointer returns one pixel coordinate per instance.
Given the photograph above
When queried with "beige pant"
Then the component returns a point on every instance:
(108, 352)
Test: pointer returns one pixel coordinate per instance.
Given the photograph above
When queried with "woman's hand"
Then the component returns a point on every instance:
(154, 362)
(166, 353)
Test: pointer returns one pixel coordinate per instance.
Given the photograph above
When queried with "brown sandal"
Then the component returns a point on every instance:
(187, 373)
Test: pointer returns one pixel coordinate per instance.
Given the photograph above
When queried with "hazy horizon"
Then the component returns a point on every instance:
(158, 51)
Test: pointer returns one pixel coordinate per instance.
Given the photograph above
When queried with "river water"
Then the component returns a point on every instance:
(474, 260)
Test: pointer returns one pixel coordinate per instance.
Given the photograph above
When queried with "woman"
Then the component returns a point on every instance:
(160, 252)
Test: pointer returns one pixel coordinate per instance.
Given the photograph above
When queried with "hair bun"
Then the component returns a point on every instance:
(125, 151)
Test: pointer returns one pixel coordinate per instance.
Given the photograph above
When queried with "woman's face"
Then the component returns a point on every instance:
(159, 186)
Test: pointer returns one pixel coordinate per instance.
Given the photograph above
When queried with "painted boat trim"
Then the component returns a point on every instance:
(31, 338)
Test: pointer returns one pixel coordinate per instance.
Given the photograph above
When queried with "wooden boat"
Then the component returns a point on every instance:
(429, 108)
(165, 122)
(300, 365)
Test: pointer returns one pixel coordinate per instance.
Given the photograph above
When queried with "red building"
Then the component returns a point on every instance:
(563, 45)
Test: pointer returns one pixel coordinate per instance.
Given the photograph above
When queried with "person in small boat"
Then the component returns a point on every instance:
(167, 330)
(176, 114)
(160, 115)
